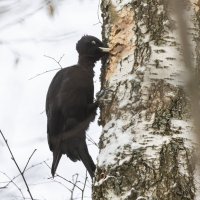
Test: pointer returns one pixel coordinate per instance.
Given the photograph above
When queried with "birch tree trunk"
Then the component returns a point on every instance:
(146, 147)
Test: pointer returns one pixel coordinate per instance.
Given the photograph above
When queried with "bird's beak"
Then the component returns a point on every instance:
(104, 49)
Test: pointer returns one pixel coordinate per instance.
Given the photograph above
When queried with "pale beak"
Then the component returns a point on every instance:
(104, 49)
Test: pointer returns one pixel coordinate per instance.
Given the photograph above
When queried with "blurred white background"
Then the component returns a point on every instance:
(27, 33)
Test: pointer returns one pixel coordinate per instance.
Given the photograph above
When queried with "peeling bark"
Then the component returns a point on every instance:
(146, 147)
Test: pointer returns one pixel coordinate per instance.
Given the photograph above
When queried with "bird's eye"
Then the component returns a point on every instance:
(93, 42)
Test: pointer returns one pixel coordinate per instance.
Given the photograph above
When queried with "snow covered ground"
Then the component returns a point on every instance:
(27, 33)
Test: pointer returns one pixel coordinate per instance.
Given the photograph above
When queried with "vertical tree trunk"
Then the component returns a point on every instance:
(146, 148)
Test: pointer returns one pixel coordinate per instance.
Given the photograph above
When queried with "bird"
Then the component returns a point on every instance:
(70, 105)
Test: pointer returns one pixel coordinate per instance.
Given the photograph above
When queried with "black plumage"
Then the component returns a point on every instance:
(70, 105)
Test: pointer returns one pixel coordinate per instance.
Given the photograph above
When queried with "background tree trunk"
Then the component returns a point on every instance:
(146, 147)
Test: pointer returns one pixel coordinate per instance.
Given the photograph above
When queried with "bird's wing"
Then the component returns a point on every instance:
(66, 102)
(54, 119)
(68, 115)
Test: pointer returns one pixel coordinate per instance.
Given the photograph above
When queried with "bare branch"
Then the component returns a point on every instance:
(86, 177)
(61, 59)
(58, 62)
(8, 182)
(13, 158)
(20, 190)
(91, 140)
(61, 177)
(74, 185)
(29, 160)
(43, 73)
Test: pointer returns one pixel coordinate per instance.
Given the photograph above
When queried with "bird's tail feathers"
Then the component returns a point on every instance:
(87, 159)
(56, 159)
(82, 153)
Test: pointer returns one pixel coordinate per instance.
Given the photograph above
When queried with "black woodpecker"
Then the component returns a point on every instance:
(70, 105)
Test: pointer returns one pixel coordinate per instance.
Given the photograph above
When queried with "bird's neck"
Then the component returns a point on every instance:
(86, 62)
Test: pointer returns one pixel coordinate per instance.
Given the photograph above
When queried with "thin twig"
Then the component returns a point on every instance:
(26, 198)
(74, 185)
(13, 158)
(86, 177)
(61, 177)
(8, 182)
(29, 160)
(91, 140)
(61, 59)
(43, 73)
(58, 62)
(20, 190)
(60, 183)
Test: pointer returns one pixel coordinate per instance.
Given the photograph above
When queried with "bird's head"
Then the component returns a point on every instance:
(91, 47)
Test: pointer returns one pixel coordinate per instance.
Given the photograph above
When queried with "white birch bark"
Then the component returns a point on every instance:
(146, 147)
